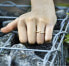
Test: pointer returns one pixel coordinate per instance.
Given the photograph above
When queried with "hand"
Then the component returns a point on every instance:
(35, 26)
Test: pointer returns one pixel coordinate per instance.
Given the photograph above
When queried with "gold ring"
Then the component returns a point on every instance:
(40, 32)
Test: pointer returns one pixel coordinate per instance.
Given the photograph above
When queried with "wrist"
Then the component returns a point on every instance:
(40, 4)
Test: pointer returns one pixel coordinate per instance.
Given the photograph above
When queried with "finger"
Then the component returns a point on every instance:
(10, 26)
(31, 31)
(40, 33)
(48, 33)
(22, 31)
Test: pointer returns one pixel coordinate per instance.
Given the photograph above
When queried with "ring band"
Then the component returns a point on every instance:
(40, 32)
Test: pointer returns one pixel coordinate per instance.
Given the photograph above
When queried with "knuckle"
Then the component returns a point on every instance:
(31, 18)
(21, 19)
(55, 18)
(41, 19)
(21, 22)
(49, 20)
(45, 19)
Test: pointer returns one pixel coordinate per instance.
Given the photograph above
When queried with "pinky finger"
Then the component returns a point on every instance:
(48, 33)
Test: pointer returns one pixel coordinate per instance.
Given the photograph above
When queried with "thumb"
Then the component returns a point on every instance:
(10, 26)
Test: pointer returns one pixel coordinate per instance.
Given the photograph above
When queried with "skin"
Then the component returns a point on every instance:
(36, 25)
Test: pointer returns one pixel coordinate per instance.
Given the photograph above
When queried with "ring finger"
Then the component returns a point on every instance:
(40, 32)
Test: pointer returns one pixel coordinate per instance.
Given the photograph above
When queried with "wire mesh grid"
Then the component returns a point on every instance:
(54, 56)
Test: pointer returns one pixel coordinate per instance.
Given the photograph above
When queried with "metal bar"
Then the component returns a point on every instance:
(7, 17)
(6, 5)
(9, 48)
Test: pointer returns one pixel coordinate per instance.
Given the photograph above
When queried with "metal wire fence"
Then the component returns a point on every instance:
(54, 56)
